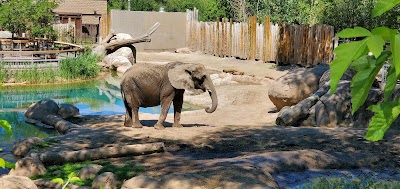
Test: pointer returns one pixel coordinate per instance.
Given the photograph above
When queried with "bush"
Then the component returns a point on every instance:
(82, 67)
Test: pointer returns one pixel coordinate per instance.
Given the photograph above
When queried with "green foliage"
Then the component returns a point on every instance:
(44, 144)
(82, 67)
(72, 178)
(354, 55)
(6, 126)
(340, 183)
(34, 17)
(62, 172)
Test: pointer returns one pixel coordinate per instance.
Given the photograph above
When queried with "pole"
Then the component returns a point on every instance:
(129, 5)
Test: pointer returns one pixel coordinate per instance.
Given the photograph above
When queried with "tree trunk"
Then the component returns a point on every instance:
(50, 158)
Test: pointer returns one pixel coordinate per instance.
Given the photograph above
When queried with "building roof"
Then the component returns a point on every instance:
(82, 6)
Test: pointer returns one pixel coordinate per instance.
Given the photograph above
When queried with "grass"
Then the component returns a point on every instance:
(82, 67)
(123, 172)
(346, 183)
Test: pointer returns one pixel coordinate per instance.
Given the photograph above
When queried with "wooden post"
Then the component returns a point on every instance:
(230, 38)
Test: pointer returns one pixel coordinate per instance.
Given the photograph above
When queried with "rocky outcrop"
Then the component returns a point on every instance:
(183, 181)
(67, 111)
(329, 110)
(295, 86)
(141, 182)
(106, 180)
(28, 167)
(46, 112)
(119, 55)
(22, 147)
(16, 182)
(89, 171)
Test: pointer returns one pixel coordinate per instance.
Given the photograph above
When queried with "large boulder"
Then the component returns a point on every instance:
(333, 110)
(141, 182)
(41, 109)
(295, 86)
(22, 147)
(46, 112)
(89, 171)
(114, 60)
(16, 182)
(106, 180)
(329, 110)
(28, 167)
(67, 111)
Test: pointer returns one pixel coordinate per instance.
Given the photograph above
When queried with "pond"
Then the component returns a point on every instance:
(100, 97)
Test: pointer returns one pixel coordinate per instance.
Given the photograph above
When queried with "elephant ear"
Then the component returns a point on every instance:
(180, 77)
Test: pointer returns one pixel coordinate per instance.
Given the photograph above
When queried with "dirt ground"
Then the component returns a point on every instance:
(239, 145)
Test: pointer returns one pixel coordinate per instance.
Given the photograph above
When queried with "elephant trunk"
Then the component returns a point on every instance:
(213, 94)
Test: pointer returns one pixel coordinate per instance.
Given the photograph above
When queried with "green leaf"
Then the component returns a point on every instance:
(375, 44)
(356, 32)
(2, 163)
(384, 32)
(1, 149)
(74, 179)
(391, 81)
(10, 165)
(395, 48)
(345, 54)
(362, 82)
(71, 175)
(58, 180)
(382, 6)
(360, 63)
(6, 126)
(385, 114)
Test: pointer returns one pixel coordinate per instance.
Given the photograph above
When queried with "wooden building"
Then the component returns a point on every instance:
(89, 18)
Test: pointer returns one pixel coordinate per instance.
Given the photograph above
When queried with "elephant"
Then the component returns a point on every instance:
(148, 85)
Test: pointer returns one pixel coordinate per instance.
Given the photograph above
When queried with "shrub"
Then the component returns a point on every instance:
(82, 67)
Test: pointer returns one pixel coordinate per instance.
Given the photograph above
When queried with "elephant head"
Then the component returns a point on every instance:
(191, 77)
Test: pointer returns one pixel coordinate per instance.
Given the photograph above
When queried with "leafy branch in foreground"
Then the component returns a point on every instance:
(355, 55)
(6, 126)
(71, 178)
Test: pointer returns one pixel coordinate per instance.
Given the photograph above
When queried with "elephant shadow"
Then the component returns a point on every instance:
(151, 123)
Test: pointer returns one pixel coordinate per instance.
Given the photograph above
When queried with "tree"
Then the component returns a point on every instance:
(34, 17)
(357, 55)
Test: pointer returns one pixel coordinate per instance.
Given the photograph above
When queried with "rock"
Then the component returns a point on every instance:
(183, 181)
(121, 52)
(184, 50)
(222, 79)
(107, 180)
(5, 35)
(16, 182)
(120, 37)
(141, 182)
(334, 110)
(67, 111)
(347, 76)
(89, 171)
(41, 109)
(21, 148)
(28, 167)
(295, 86)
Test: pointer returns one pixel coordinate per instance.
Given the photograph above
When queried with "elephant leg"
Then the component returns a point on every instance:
(136, 121)
(128, 115)
(178, 102)
(165, 104)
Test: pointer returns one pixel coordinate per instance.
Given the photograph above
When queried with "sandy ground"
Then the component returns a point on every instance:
(239, 146)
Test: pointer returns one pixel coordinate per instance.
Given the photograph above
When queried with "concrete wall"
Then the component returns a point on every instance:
(170, 35)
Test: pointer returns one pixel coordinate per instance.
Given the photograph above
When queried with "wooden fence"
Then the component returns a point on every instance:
(284, 44)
